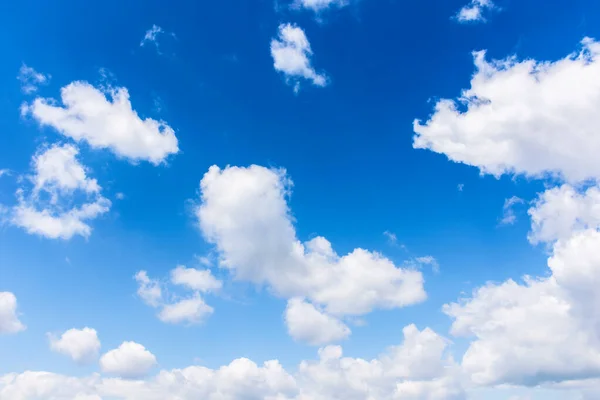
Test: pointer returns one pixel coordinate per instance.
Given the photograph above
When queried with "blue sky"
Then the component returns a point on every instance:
(324, 94)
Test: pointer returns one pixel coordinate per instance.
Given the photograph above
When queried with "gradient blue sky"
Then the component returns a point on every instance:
(348, 147)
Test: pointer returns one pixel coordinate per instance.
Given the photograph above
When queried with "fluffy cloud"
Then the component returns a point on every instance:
(195, 279)
(418, 369)
(319, 5)
(30, 79)
(9, 321)
(291, 54)
(474, 11)
(244, 212)
(523, 117)
(105, 123)
(48, 208)
(308, 324)
(82, 345)
(190, 310)
(129, 360)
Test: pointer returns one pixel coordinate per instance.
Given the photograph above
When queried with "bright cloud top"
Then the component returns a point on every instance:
(130, 361)
(81, 345)
(523, 117)
(9, 320)
(292, 54)
(105, 123)
(475, 10)
(416, 369)
(48, 209)
(31, 79)
(308, 324)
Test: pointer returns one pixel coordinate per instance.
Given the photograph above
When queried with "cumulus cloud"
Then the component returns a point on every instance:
(244, 213)
(523, 117)
(308, 324)
(48, 208)
(292, 54)
(130, 360)
(189, 310)
(475, 11)
(417, 369)
(9, 320)
(31, 79)
(81, 345)
(87, 115)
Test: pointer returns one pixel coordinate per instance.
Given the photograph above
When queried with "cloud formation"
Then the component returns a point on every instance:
(130, 361)
(31, 79)
(9, 320)
(81, 345)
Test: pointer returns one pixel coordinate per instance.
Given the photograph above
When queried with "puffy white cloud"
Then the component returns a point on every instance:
(82, 345)
(545, 330)
(523, 117)
(105, 123)
(244, 212)
(474, 11)
(319, 5)
(192, 310)
(308, 324)
(418, 369)
(30, 79)
(9, 320)
(195, 279)
(129, 360)
(48, 208)
(291, 54)
(560, 211)
(508, 212)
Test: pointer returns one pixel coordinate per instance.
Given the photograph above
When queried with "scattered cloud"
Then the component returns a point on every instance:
(152, 36)
(475, 11)
(81, 345)
(430, 261)
(244, 213)
(4, 172)
(308, 324)
(87, 115)
(319, 5)
(292, 54)
(189, 310)
(391, 237)
(31, 79)
(418, 368)
(523, 117)
(130, 361)
(47, 208)
(460, 187)
(120, 196)
(508, 212)
(9, 320)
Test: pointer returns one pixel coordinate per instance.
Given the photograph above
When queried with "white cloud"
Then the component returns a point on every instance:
(418, 369)
(189, 310)
(192, 310)
(129, 360)
(308, 324)
(508, 212)
(149, 289)
(429, 260)
(4, 172)
(523, 117)
(291, 54)
(474, 11)
(48, 209)
(105, 123)
(244, 213)
(82, 345)
(9, 320)
(319, 5)
(195, 279)
(560, 211)
(151, 35)
(30, 79)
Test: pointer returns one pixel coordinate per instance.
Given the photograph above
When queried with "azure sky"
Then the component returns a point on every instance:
(300, 200)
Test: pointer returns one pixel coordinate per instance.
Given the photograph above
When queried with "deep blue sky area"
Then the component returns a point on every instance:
(347, 147)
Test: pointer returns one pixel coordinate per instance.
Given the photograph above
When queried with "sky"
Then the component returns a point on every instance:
(300, 200)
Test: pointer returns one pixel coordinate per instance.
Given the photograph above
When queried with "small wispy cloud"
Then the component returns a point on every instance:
(31, 79)
(509, 217)
(475, 11)
(152, 36)
(460, 187)
(430, 261)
